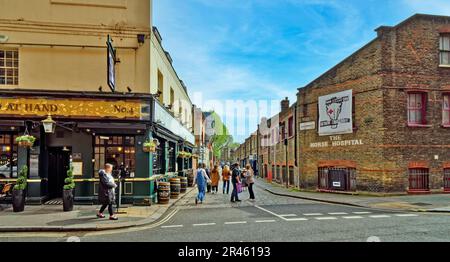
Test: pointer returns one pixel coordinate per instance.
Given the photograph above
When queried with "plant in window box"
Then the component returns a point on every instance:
(68, 194)
(182, 154)
(188, 155)
(149, 147)
(26, 141)
(19, 196)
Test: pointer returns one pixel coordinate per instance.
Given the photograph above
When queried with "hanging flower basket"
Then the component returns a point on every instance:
(149, 147)
(182, 154)
(26, 141)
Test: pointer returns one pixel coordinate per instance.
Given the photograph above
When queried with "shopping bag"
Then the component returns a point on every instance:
(239, 188)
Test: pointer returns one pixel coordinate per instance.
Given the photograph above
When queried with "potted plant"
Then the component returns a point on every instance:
(19, 196)
(149, 147)
(68, 195)
(26, 141)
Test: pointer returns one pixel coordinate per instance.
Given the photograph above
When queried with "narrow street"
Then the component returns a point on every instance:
(270, 218)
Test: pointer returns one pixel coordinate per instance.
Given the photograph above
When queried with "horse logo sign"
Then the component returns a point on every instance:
(335, 113)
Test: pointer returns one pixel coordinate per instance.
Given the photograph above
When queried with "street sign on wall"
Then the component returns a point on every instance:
(335, 114)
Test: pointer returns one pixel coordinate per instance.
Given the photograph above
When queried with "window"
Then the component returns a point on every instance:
(446, 110)
(283, 131)
(9, 67)
(158, 159)
(419, 179)
(171, 157)
(447, 179)
(116, 150)
(161, 87)
(291, 126)
(417, 108)
(8, 156)
(172, 98)
(444, 50)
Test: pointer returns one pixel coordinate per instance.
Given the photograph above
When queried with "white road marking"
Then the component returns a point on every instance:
(236, 223)
(362, 213)
(406, 215)
(265, 221)
(174, 226)
(326, 218)
(297, 219)
(289, 215)
(313, 214)
(380, 216)
(203, 225)
(337, 213)
(270, 212)
(353, 217)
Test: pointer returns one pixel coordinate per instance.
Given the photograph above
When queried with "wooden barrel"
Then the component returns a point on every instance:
(175, 188)
(163, 193)
(190, 178)
(184, 184)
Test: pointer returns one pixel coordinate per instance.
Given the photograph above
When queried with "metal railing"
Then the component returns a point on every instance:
(419, 180)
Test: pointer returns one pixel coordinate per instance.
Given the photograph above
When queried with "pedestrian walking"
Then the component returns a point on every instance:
(208, 173)
(250, 178)
(107, 192)
(201, 180)
(215, 179)
(226, 174)
(235, 179)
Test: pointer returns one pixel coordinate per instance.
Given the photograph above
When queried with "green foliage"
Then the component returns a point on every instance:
(149, 144)
(21, 183)
(26, 138)
(221, 137)
(70, 183)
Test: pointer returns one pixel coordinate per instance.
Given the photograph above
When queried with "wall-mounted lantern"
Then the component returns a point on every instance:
(49, 125)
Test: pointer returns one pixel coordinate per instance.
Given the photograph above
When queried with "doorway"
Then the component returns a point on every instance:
(58, 165)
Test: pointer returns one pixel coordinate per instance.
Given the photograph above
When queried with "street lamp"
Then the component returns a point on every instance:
(49, 125)
(284, 134)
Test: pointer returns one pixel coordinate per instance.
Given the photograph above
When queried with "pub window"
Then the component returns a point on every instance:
(158, 160)
(419, 179)
(9, 67)
(116, 150)
(8, 156)
(417, 108)
(446, 110)
(444, 50)
(171, 158)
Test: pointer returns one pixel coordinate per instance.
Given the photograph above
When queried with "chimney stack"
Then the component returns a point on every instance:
(285, 104)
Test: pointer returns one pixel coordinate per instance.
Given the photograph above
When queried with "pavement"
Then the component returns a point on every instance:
(51, 218)
(439, 203)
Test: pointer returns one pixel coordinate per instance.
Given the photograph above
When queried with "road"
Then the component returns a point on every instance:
(270, 218)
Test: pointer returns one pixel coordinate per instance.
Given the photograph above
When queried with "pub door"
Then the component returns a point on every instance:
(59, 163)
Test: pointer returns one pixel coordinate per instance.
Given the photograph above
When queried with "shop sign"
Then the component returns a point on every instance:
(308, 126)
(73, 108)
(335, 114)
(337, 141)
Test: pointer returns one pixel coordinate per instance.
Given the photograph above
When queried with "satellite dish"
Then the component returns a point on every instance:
(3, 38)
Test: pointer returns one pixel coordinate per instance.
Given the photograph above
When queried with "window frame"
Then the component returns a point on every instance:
(442, 50)
(113, 142)
(291, 126)
(445, 124)
(13, 67)
(423, 110)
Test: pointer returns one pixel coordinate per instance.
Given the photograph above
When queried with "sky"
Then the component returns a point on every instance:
(261, 51)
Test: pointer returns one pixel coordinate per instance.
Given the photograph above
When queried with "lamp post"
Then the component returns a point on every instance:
(284, 134)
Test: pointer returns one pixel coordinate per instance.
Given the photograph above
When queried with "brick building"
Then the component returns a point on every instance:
(278, 142)
(384, 114)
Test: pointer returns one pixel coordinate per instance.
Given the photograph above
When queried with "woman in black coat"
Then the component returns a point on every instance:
(107, 192)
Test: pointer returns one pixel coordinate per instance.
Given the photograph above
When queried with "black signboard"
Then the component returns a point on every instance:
(111, 65)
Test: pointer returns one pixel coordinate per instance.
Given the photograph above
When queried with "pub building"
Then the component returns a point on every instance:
(91, 129)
